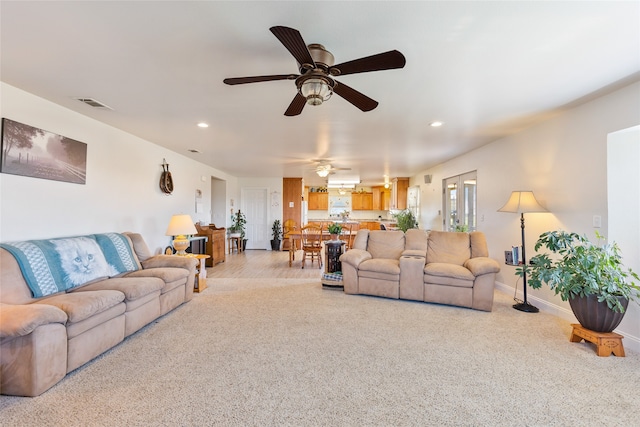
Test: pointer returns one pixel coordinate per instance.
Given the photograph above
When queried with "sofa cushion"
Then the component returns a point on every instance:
(380, 265)
(482, 265)
(448, 247)
(385, 244)
(82, 305)
(360, 241)
(417, 240)
(171, 277)
(133, 288)
(479, 247)
(448, 270)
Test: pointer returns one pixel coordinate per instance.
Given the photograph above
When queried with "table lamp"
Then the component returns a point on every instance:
(179, 227)
(523, 202)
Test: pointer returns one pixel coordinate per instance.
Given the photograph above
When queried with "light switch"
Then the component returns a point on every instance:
(597, 221)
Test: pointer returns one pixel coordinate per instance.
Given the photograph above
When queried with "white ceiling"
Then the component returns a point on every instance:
(486, 69)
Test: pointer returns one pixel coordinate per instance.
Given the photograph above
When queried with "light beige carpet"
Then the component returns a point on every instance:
(288, 353)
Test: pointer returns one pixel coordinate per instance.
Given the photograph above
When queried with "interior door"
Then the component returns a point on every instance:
(460, 202)
(255, 206)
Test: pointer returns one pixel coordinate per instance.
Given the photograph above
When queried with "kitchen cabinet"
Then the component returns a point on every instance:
(318, 201)
(362, 201)
(381, 198)
(399, 193)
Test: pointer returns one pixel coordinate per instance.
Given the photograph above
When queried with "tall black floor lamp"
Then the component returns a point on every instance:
(523, 202)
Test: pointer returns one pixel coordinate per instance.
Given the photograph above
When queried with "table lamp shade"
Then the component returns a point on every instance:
(522, 202)
(180, 226)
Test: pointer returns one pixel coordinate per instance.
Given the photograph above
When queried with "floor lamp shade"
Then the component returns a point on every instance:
(180, 226)
(523, 202)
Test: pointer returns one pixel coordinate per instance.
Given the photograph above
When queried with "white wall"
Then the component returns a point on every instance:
(121, 192)
(623, 158)
(564, 162)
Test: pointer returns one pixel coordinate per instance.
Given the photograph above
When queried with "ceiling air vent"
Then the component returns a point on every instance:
(94, 103)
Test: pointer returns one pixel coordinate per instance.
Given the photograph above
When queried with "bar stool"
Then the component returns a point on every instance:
(238, 242)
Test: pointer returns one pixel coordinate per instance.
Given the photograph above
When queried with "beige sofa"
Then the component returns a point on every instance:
(440, 267)
(42, 339)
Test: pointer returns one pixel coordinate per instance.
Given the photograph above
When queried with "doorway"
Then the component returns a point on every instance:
(459, 202)
(255, 207)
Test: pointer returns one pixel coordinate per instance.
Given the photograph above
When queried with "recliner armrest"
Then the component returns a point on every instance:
(22, 319)
(482, 265)
(355, 256)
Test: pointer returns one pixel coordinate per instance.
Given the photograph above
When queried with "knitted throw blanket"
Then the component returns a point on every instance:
(54, 265)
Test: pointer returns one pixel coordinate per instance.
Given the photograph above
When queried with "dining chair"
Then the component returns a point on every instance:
(288, 227)
(346, 235)
(312, 243)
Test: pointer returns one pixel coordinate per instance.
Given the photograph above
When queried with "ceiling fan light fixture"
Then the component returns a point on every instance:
(323, 170)
(316, 90)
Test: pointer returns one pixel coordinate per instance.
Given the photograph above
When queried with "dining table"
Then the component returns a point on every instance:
(296, 235)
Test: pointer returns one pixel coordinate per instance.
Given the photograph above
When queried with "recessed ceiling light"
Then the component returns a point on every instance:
(203, 125)
(435, 124)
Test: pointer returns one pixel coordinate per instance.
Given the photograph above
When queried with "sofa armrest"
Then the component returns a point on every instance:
(482, 265)
(22, 319)
(411, 275)
(355, 256)
(159, 261)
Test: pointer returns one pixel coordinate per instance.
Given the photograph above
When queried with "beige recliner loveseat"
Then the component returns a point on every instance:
(64, 323)
(440, 267)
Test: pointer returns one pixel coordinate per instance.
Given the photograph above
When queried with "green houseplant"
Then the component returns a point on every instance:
(276, 235)
(334, 229)
(238, 223)
(406, 220)
(589, 275)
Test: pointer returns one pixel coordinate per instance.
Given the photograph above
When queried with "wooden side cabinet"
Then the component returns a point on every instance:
(215, 243)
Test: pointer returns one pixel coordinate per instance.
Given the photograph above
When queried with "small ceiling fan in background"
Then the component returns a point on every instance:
(324, 169)
(316, 82)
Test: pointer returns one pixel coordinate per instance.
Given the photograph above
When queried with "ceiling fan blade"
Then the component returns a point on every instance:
(292, 40)
(361, 101)
(257, 79)
(382, 61)
(296, 105)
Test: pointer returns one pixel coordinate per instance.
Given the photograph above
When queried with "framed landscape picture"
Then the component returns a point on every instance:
(34, 152)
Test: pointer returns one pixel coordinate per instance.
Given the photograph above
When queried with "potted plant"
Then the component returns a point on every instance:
(334, 229)
(238, 223)
(276, 235)
(406, 220)
(589, 275)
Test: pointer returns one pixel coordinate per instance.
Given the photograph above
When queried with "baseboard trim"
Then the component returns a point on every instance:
(630, 342)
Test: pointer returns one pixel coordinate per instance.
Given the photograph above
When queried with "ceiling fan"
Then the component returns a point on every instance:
(316, 82)
(323, 169)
